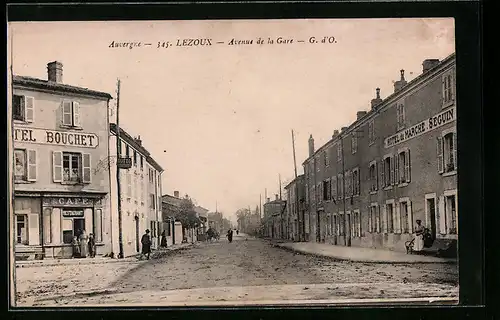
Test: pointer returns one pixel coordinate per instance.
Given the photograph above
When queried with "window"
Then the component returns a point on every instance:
(316, 164)
(21, 229)
(333, 187)
(325, 159)
(339, 152)
(142, 162)
(71, 167)
(71, 113)
(335, 225)
(307, 193)
(326, 190)
(135, 158)
(371, 132)
(341, 225)
(356, 182)
(152, 200)
(348, 183)
(451, 214)
(25, 165)
(373, 177)
(390, 217)
(448, 89)
(403, 167)
(388, 171)
(406, 217)
(23, 108)
(357, 224)
(400, 111)
(447, 152)
(127, 151)
(72, 227)
(354, 143)
(319, 197)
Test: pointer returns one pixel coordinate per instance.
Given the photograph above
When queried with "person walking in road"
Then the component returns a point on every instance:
(230, 235)
(91, 245)
(146, 245)
(419, 236)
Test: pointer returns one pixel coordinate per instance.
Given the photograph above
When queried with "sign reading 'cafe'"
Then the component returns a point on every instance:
(62, 138)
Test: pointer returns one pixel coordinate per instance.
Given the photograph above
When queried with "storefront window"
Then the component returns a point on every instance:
(47, 222)
(98, 225)
(21, 229)
(72, 225)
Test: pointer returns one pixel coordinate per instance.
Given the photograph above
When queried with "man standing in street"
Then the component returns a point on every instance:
(146, 244)
(230, 235)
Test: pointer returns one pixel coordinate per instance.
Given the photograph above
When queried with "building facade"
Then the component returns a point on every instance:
(397, 163)
(273, 221)
(140, 189)
(60, 135)
(294, 217)
(171, 205)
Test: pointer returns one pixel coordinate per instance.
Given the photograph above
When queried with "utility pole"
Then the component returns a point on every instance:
(279, 179)
(118, 186)
(300, 218)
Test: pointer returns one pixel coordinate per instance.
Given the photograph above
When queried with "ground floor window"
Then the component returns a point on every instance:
(374, 220)
(406, 218)
(21, 229)
(357, 224)
(72, 227)
(451, 214)
(341, 224)
(390, 217)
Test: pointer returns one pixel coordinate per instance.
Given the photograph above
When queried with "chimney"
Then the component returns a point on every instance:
(138, 140)
(360, 114)
(55, 71)
(343, 129)
(398, 85)
(335, 133)
(176, 194)
(268, 200)
(377, 100)
(311, 145)
(428, 64)
(277, 197)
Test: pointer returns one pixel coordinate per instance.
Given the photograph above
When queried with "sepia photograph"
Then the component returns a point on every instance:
(233, 162)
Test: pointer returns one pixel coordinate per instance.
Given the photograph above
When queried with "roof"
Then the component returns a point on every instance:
(168, 199)
(299, 177)
(382, 104)
(276, 201)
(55, 86)
(133, 142)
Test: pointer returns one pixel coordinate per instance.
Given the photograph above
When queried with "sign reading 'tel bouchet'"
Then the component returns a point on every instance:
(434, 122)
(62, 138)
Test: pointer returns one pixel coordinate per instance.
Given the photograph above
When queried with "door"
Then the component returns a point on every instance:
(348, 230)
(431, 208)
(137, 247)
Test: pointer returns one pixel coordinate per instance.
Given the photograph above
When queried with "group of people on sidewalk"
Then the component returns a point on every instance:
(83, 245)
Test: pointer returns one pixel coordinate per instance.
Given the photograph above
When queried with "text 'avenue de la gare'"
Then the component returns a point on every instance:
(42, 136)
(205, 42)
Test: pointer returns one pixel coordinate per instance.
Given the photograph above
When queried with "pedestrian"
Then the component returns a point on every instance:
(237, 232)
(83, 244)
(419, 236)
(146, 244)
(163, 239)
(91, 245)
(76, 247)
(230, 235)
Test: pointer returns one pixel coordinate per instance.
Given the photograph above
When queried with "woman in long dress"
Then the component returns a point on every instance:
(83, 244)
(419, 236)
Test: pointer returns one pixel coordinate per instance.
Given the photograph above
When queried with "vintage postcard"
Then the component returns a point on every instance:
(233, 162)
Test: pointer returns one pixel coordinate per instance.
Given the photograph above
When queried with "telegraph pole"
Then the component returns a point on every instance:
(118, 186)
(299, 217)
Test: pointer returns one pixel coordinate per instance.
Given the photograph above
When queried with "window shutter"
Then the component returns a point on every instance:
(395, 211)
(396, 168)
(441, 216)
(67, 114)
(402, 114)
(443, 89)
(410, 217)
(76, 113)
(453, 85)
(370, 216)
(382, 173)
(32, 165)
(391, 170)
(454, 151)
(376, 165)
(29, 109)
(407, 166)
(398, 115)
(34, 231)
(440, 154)
(384, 219)
(87, 176)
(57, 166)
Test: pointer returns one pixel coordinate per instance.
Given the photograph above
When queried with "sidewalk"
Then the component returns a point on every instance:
(97, 260)
(359, 254)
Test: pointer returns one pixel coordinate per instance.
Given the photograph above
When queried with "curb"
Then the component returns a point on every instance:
(341, 258)
(81, 294)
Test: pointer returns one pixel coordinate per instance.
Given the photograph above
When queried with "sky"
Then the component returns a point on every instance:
(218, 118)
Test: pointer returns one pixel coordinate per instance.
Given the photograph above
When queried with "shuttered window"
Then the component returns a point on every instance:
(71, 113)
(23, 108)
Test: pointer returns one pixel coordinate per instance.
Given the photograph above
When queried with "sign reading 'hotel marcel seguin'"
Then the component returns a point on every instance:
(53, 137)
(425, 126)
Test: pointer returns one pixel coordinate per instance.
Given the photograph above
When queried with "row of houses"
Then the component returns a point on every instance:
(65, 173)
(397, 163)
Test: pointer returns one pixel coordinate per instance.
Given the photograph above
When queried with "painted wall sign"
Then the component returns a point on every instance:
(68, 202)
(72, 213)
(53, 137)
(124, 162)
(434, 122)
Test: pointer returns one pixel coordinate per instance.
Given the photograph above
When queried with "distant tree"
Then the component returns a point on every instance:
(187, 215)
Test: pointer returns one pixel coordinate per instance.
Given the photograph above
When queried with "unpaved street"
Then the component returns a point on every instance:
(253, 269)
